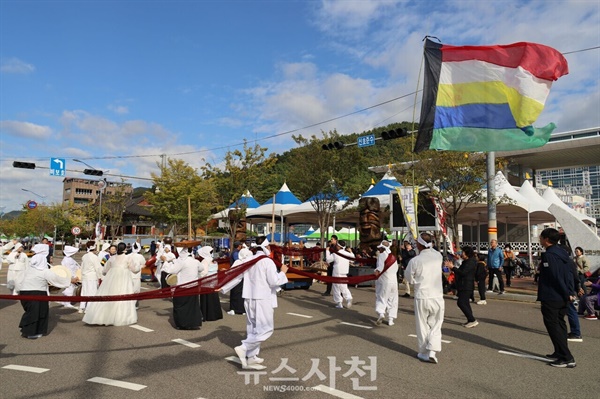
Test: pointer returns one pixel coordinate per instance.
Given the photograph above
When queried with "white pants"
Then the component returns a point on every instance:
(88, 288)
(340, 291)
(386, 299)
(69, 291)
(429, 316)
(137, 284)
(259, 324)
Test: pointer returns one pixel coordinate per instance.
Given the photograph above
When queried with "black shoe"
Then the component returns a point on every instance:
(552, 356)
(406, 295)
(564, 363)
(326, 293)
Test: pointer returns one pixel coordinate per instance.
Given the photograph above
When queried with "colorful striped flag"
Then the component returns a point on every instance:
(486, 98)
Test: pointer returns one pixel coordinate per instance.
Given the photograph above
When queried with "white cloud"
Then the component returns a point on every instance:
(25, 130)
(15, 65)
(119, 109)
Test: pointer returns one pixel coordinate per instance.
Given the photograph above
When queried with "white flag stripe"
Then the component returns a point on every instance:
(117, 383)
(480, 71)
(37, 370)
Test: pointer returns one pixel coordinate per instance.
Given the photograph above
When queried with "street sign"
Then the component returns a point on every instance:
(57, 166)
(366, 141)
(76, 230)
(31, 204)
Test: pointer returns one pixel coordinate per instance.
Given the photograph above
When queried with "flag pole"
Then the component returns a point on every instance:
(491, 196)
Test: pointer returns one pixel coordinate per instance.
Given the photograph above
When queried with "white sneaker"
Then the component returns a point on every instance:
(231, 312)
(391, 322)
(339, 306)
(80, 311)
(379, 319)
(255, 360)
(423, 357)
(240, 351)
(471, 324)
(482, 302)
(433, 359)
(349, 303)
(489, 291)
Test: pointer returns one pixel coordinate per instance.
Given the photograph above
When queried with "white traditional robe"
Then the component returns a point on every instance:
(17, 264)
(341, 268)
(73, 266)
(386, 288)
(137, 263)
(424, 272)
(261, 282)
(91, 273)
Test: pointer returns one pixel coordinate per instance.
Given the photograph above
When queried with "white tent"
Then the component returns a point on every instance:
(551, 197)
(284, 200)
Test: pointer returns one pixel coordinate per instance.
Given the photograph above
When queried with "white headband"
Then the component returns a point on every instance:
(421, 241)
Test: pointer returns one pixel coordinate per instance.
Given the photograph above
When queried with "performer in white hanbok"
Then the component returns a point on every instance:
(341, 267)
(186, 309)
(386, 286)
(261, 281)
(424, 272)
(117, 281)
(91, 273)
(73, 266)
(7, 250)
(163, 256)
(137, 264)
(236, 299)
(35, 280)
(17, 264)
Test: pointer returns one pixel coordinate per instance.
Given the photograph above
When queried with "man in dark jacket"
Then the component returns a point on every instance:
(555, 291)
(465, 283)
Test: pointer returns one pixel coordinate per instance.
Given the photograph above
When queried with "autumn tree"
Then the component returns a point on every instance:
(177, 182)
(243, 171)
(456, 179)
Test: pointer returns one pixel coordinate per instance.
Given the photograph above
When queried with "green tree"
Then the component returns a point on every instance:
(113, 207)
(456, 179)
(177, 182)
(244, 170)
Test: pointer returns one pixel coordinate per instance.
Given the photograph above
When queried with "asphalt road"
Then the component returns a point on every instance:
(311, 345)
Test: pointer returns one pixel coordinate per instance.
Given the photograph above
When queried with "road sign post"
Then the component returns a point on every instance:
(57, 166)
(366, 141)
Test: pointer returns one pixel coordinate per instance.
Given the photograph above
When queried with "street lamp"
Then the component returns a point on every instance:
(101, 185)
(43, 197)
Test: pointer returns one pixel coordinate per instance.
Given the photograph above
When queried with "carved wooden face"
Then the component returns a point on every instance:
(370, 223)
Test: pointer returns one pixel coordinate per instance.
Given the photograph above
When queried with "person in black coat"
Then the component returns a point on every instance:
(465, 283)
(555, 291)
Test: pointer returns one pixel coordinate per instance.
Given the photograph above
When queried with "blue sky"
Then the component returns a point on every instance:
(133, 79)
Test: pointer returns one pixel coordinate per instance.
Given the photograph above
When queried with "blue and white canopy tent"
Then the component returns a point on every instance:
(381, 190)
(246, 200)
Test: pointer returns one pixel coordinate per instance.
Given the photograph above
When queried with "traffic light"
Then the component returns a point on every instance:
(337, 145)
(93, 172)
(24, 165)
(394, 134)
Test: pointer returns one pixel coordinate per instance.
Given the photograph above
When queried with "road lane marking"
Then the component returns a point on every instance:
(355, 325)
(335, 392)
(300, 315)
(525, 355)
(414, 336)
(117, 383)
(25, 368)
(236, 359)
(186, 343)
(144, 329)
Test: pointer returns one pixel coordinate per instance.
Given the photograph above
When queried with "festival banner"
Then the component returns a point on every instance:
(408, 199)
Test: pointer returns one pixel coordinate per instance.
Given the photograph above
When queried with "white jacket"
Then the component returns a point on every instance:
(424, 271)
(341, 266)
(91, 267)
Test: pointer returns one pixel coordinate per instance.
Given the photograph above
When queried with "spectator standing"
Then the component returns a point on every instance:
(495, 263)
